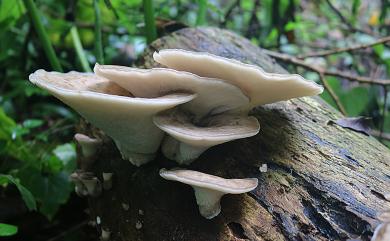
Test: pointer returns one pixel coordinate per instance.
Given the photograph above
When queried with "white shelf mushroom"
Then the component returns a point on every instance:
(187, 141)
(261, 87)
(209, 189)
(214, 96)
(127, 120)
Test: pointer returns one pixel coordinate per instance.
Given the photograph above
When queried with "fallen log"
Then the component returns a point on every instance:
(322, 182)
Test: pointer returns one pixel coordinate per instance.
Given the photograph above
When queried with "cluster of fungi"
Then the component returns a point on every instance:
(198, 101)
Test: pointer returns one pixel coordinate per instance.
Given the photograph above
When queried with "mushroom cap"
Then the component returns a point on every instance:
(261, 87)
(203, 180)
(213, 95)
(213, 131)
(127, 120)
(81, 138)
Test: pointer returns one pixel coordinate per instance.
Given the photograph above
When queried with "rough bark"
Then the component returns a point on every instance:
(323, 182)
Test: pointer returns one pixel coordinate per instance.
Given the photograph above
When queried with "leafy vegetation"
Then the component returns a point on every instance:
(36, 148)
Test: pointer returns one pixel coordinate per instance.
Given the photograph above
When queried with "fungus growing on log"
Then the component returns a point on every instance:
(209, 189)
(126, 119)
(260, 87)
(187, 141)
(214, 96)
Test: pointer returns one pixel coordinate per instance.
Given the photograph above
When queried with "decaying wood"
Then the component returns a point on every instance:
(323, 182)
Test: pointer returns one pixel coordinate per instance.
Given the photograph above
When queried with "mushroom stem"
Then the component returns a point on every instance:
(137, 159)
(208, 202)
(107, 180)
(89, 146)
(181, 152)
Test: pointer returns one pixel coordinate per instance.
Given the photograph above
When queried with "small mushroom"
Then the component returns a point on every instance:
(80, 189)
(107, 180)
(187, 141)
(106, 234)
(88, 145)
(214, 96)
(92, 184)
(86, 183)
(261, 87)
(209, 189)
(127, 120)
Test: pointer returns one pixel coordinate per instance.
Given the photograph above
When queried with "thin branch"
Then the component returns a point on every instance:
(384, 113)
(340, 50)
(345, 21)
(229, 12)
(332, 94)
(381, 136)
(351, 77)
(338, 13)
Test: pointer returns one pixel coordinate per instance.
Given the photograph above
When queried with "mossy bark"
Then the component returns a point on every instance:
(323, 182)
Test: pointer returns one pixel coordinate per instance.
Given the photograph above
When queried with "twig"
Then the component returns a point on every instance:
(348, 49)
(332, 94)
(338, 13)
(381, 136)
(299, 62)
(344, 20)
(229, 12)
(384, 113)
(319, 71)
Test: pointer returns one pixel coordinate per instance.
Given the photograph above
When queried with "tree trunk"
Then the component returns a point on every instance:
(323, 182)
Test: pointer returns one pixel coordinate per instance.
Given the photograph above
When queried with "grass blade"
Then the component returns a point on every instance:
(79, 49)
(42, 35)
(202, 10)
(98, 33)
(150, 25)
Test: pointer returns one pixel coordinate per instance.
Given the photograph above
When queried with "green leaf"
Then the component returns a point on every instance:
(51, 189)
(7, 230)
(27, 197)
(67, 155)
(32, 123)
(356, 100)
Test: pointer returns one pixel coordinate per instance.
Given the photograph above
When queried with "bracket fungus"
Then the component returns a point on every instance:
(209, 189)
(261, 87)
(214, 96)
(126, 119)
(187, 141)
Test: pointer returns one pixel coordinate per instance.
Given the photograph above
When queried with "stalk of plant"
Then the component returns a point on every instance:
(98, 33)
(150, 25)
(202, 10)
(79, 49)
(42, 35)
